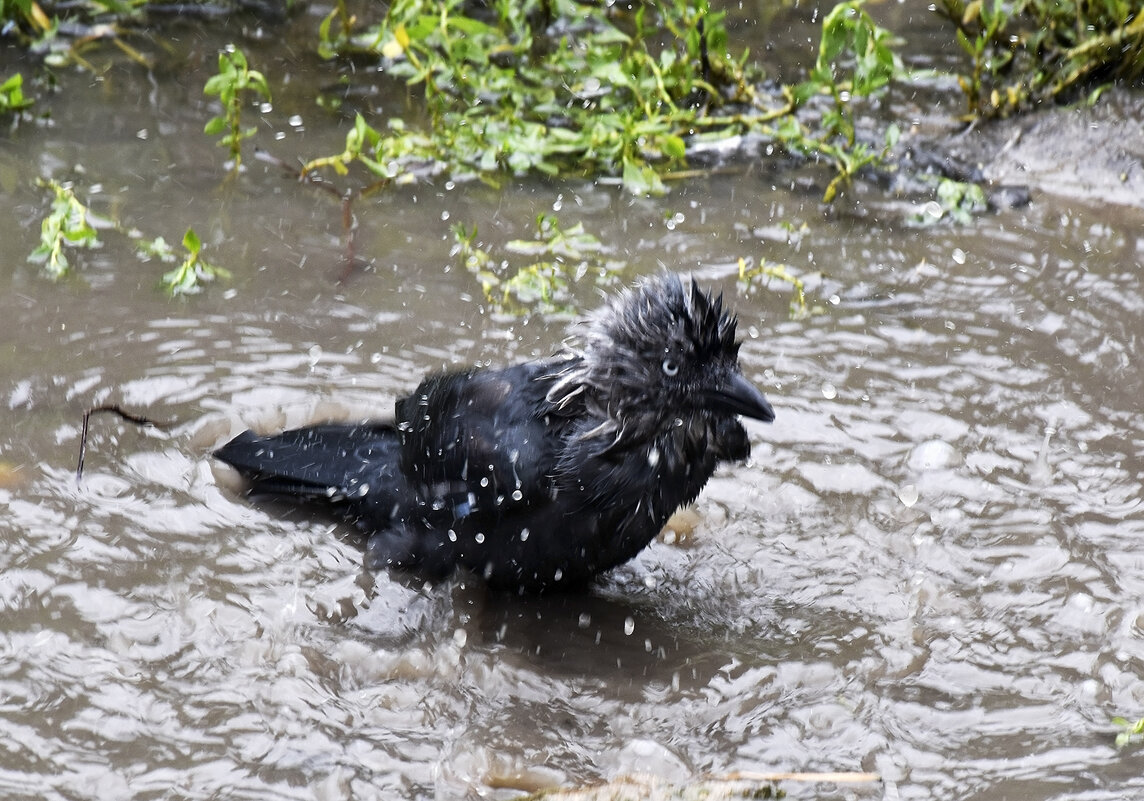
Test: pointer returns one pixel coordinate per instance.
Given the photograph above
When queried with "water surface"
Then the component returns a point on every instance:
(930, 568)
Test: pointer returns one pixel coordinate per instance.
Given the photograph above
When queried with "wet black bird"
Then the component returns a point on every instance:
(540, 475)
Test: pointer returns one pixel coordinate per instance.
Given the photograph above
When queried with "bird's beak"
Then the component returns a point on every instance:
(740, 396)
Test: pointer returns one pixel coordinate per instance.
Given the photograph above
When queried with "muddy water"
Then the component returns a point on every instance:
(931, 568)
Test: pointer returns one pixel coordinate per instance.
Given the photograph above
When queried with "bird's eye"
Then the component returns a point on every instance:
(670, 367)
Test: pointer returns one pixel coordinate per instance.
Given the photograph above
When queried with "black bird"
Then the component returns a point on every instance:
(540, 475)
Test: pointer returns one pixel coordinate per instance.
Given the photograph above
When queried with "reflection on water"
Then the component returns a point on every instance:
(931, 568)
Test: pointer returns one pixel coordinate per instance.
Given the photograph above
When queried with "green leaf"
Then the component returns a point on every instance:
(673, 146)
(641, 179)
(192, 242)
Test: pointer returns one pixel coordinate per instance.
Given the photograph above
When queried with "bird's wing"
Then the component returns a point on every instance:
(480, 440)
(331, 461)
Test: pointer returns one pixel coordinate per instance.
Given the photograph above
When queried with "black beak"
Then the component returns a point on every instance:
(739, 396)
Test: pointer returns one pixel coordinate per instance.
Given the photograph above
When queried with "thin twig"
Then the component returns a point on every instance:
(117, 410)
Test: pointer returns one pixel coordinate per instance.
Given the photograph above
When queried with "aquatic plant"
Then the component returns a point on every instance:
(958, 201)
(855, 61)
(1130, 731)
(233, 82)
(12, 97)
(572, 88)
(1031, 51)
(68, 223)
(193, 272)
(766, 272)
(558, 257)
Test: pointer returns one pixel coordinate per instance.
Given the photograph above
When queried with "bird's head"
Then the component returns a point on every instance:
(661, 350)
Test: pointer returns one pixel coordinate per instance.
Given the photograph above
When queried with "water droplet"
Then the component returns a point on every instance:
(480, 538)
(524, 535)
(265, 108)
(444, 216)
(460, 638)
(934, 454)
(908, 495)
(933, 209)
(629, 626)
(829, 391)
(295, 121)
(958, 255)
(585, 620)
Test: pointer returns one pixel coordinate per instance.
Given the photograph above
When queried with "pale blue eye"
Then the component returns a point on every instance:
(670, 367)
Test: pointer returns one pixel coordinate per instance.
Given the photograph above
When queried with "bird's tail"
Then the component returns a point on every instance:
(333, 462)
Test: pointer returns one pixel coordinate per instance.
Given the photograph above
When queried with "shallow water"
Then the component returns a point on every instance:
(931, 567)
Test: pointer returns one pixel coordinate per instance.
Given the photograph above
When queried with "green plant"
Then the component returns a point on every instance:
(12, 96)
(561, 257)
(959, 201)
(232, 82)
(1130, 731)
(1023, 52)
(765, 271)
(850, 33)
(504, 95)
(68, 223)
(189, 276)
(855, 61)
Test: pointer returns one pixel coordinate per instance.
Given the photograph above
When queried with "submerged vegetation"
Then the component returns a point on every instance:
(192, 272)
(554, 260)
(68, 224)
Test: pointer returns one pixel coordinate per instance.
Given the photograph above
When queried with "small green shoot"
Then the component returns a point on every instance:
(958, 201)
(234, 80)
(855, 60)
(799, 309)
(849, 32)
(12, 97)
(188, 277)
(68, 223)
(1130, 731)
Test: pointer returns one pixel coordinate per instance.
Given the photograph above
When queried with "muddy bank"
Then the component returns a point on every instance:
(1093, 154)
